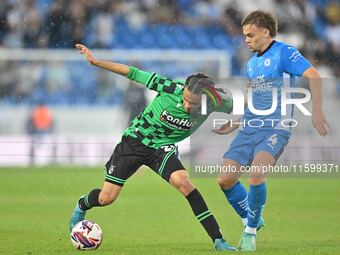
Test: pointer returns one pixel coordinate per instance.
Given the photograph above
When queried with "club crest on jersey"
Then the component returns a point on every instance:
(267, 62)
(178, 123)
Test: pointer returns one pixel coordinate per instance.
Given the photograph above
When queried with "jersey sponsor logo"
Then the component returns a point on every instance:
(259, 79)
(178, 123)
(261, 84)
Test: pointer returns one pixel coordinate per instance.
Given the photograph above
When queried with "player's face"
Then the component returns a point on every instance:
(256, 38)
(191, 101)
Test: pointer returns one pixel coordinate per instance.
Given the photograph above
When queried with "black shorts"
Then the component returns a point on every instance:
(130, 154)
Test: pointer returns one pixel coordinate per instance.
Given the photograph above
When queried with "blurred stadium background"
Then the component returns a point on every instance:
(90, 107)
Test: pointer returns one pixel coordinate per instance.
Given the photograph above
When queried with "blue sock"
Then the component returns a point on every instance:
(237, 197)
(256, 200)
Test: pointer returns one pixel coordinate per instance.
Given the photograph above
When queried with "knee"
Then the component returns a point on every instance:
(106, 198)
(256, 180)
(182, 183)
(226, 183)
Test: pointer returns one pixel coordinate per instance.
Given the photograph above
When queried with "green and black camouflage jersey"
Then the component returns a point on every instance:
(164, 121)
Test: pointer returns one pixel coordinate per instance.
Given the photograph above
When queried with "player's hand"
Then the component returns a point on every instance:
(88, 54)
(320, 123)
(224, 129)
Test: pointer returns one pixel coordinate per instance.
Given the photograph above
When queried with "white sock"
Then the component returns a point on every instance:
(250, 230)
(244, 221)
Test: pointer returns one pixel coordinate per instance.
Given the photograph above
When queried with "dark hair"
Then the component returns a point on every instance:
(195, 83)
(261, 18)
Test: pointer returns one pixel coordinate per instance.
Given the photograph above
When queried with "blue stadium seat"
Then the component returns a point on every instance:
(165, 41)
(182, 39)
(200, 38)
(221, 41)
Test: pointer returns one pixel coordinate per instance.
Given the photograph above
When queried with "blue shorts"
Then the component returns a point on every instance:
(245, 146)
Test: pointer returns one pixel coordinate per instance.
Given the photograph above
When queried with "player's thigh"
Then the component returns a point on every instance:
(124, 161)
(259, 167)
(272, 142)
(241, 149)
(270, 146)
(230, 175)
(165, 161)
(263, 158)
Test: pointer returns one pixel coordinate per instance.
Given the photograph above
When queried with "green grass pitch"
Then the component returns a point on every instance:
(150, 217)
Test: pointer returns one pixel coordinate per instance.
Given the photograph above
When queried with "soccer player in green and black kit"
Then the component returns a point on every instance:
(150, 140)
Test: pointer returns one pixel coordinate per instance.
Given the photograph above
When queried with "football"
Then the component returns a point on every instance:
(86, 235)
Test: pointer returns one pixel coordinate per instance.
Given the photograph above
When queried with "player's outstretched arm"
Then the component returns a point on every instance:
(110, 66)
(227, 128)
(230, 126)
(318, 118)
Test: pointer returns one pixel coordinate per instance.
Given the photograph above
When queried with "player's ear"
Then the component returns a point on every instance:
(266, 32)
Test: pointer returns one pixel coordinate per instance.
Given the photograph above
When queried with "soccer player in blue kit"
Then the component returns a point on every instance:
(261, 146)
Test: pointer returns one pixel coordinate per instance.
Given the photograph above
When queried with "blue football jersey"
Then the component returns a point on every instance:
(276, 67)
